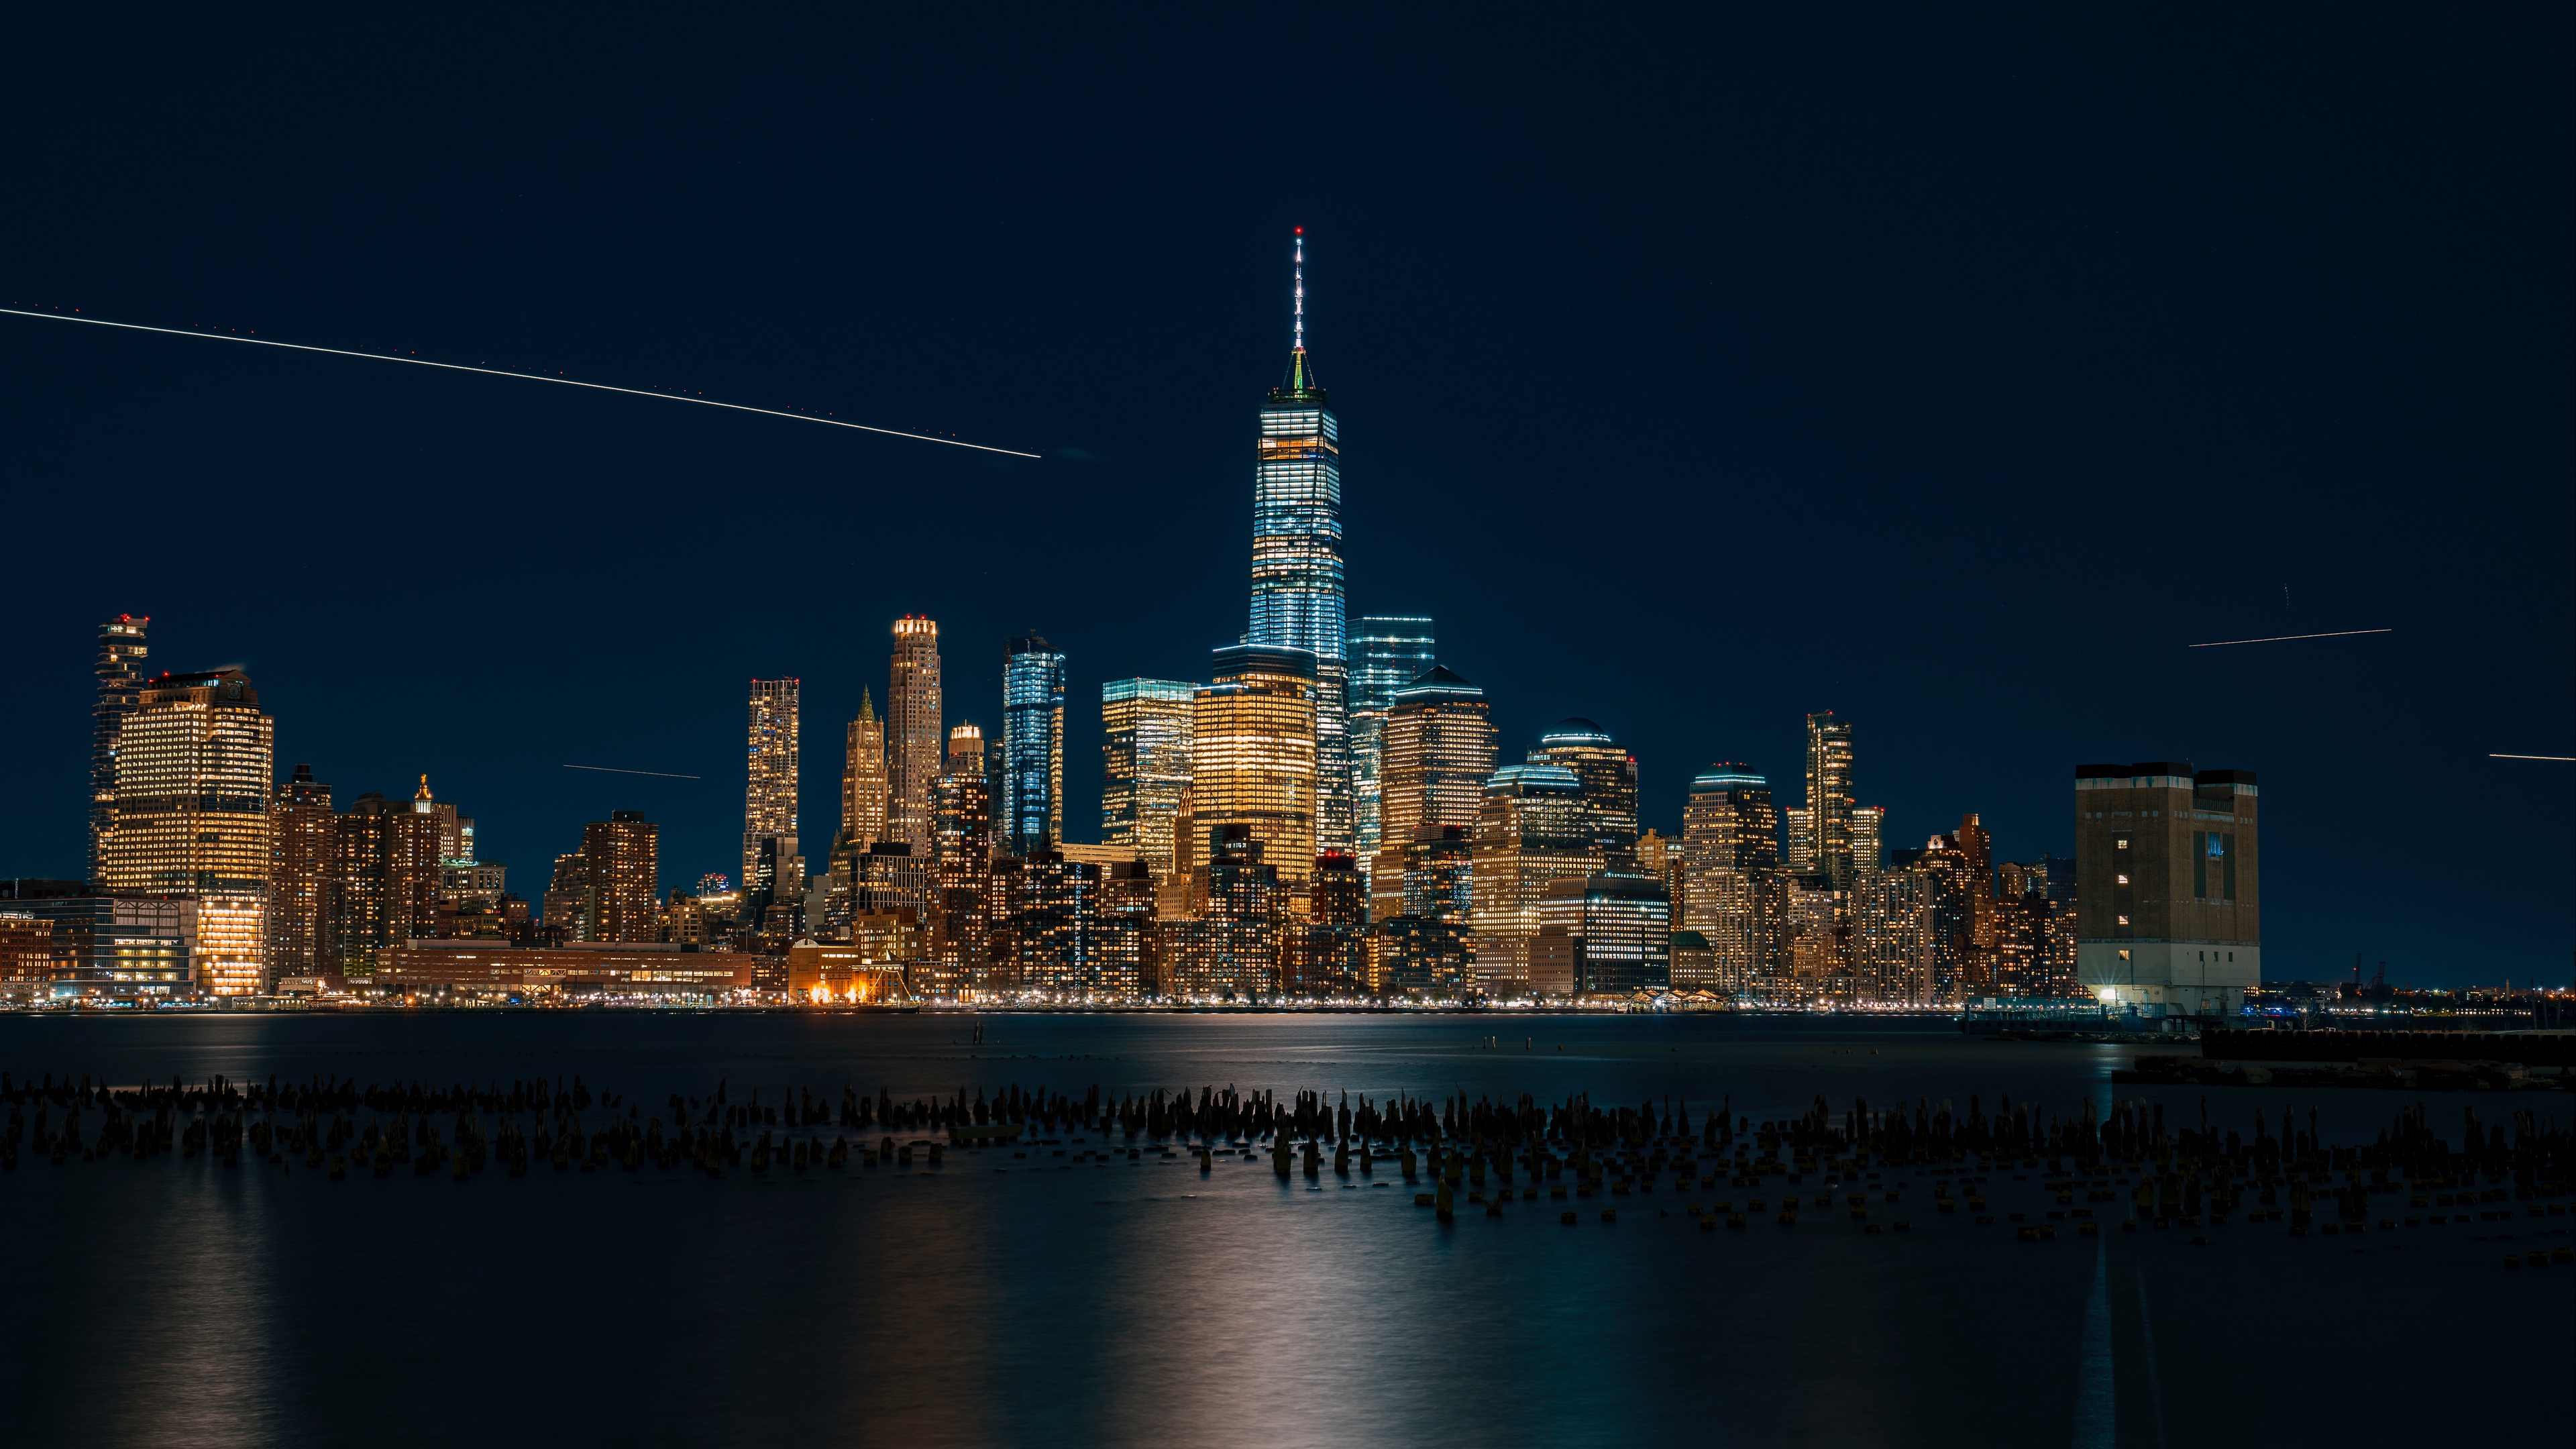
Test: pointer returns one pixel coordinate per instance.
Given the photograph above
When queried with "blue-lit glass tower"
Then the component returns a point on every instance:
(1032, 746)
(1297, 599)
(1389, 652)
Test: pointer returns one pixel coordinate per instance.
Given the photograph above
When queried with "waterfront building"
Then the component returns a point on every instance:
(194, 767)
(1032, 745)
(847, 973)
(1389, 652)
(1146, 767)
(121, 652)
(1297, 584)
(1125, 959)
(1425, 956)
(1532, 829)
(621, 968)
(1438, 752)
(769, 796)
(414, 870)
(1830, 799)
(1605, 935)
(1910, 926)
(621, 866)
(1330, 955)
(1044, 922)
(1819, 940)
(2039, 926)
(1734, 888)
(26, 954)
(958, 911)
(302, 856)
(2168, 895)
(1230, 948)
(913, 745)
(863, 777)
(1609, 776)
(1695, 964)
(130, 948)
(1253, 742)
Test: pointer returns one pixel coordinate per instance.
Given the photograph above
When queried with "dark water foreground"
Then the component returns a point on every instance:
(1009, 1300)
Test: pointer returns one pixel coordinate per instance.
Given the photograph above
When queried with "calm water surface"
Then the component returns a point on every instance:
(999, 1300)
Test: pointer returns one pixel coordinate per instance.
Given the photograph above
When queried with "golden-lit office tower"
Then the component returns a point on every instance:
(1798, 854)
(1532, 830)
(1609, 777)
(1984, 921)
(1145, 758)
(414, 868)
(1437, 751)
(1829, 798)
(1733, 888)
(1660, 856)
(863, 778)
(913, 756)
(1869, 840)
(194, 766)
(1253, 739)
(121, 652)
(2168, 892)
(769, 796)
(303, 852)
(960, 919)
(621, 864)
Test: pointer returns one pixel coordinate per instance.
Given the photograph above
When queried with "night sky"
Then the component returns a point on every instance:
(1695, 373)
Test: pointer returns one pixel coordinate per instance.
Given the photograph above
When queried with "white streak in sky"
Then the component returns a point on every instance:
(605, 770)
(2280, 638)
(522, 376)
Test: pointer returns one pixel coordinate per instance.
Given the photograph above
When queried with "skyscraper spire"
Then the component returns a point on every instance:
(1300, 272)
(1300, 384)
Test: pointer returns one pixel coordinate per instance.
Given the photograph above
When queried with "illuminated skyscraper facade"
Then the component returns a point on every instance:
(1297, 599)
(1830, 799)
(961, 867)
(769, 797)
(1532, 829)
(302, 848)
(194, 768)
(1389, 652)
(913, 744)
(121, 652)
(621, 863)
(1439, 750)
(1032, 745)
(1146, 767)
(863, 777)
(1609, 776)
(1253, 746)
(1734, 892)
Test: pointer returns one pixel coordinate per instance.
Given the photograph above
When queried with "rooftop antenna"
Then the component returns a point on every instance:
(1301, 290)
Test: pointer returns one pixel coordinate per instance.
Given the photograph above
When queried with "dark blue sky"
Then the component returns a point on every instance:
(1954, 374)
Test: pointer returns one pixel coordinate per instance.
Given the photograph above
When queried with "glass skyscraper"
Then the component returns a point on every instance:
(1032, 745)
(1145, 766)
(1389, 652)
(1297, 600)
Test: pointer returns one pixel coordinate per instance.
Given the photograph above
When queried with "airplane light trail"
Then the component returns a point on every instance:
(2282, 638)
(522, 376)
(605, 770)
(2567, 759)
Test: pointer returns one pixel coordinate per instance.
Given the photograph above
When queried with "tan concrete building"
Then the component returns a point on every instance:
(2168, 890)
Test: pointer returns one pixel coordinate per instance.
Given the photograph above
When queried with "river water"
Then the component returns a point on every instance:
(1001, 1300)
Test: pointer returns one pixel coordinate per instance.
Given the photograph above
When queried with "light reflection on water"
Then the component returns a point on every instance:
(173, 1302)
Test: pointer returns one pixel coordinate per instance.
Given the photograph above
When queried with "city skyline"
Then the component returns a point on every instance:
(1595, 442)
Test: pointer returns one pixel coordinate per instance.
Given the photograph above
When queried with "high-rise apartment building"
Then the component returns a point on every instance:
(1234, 944)
(1146, 764)
(2168, 893)
(1438, 753)
(1253, 746)
(1869, 839)
(567, 898)
(621, 866)
(1608, 935)
(769, 796)
(1830, 799)
(914, 753)
(863, 777)
(1297, 600)
(303, 852)
(959, 920)
(1734, 890)
(1389, 652)
(1032, 745)
(1532, 830)
(193, 775)
(121, 652)
(1609, 776)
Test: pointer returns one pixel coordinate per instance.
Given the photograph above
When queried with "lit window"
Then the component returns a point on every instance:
(2122, 879)
(2124, 920)
(2122, 842)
